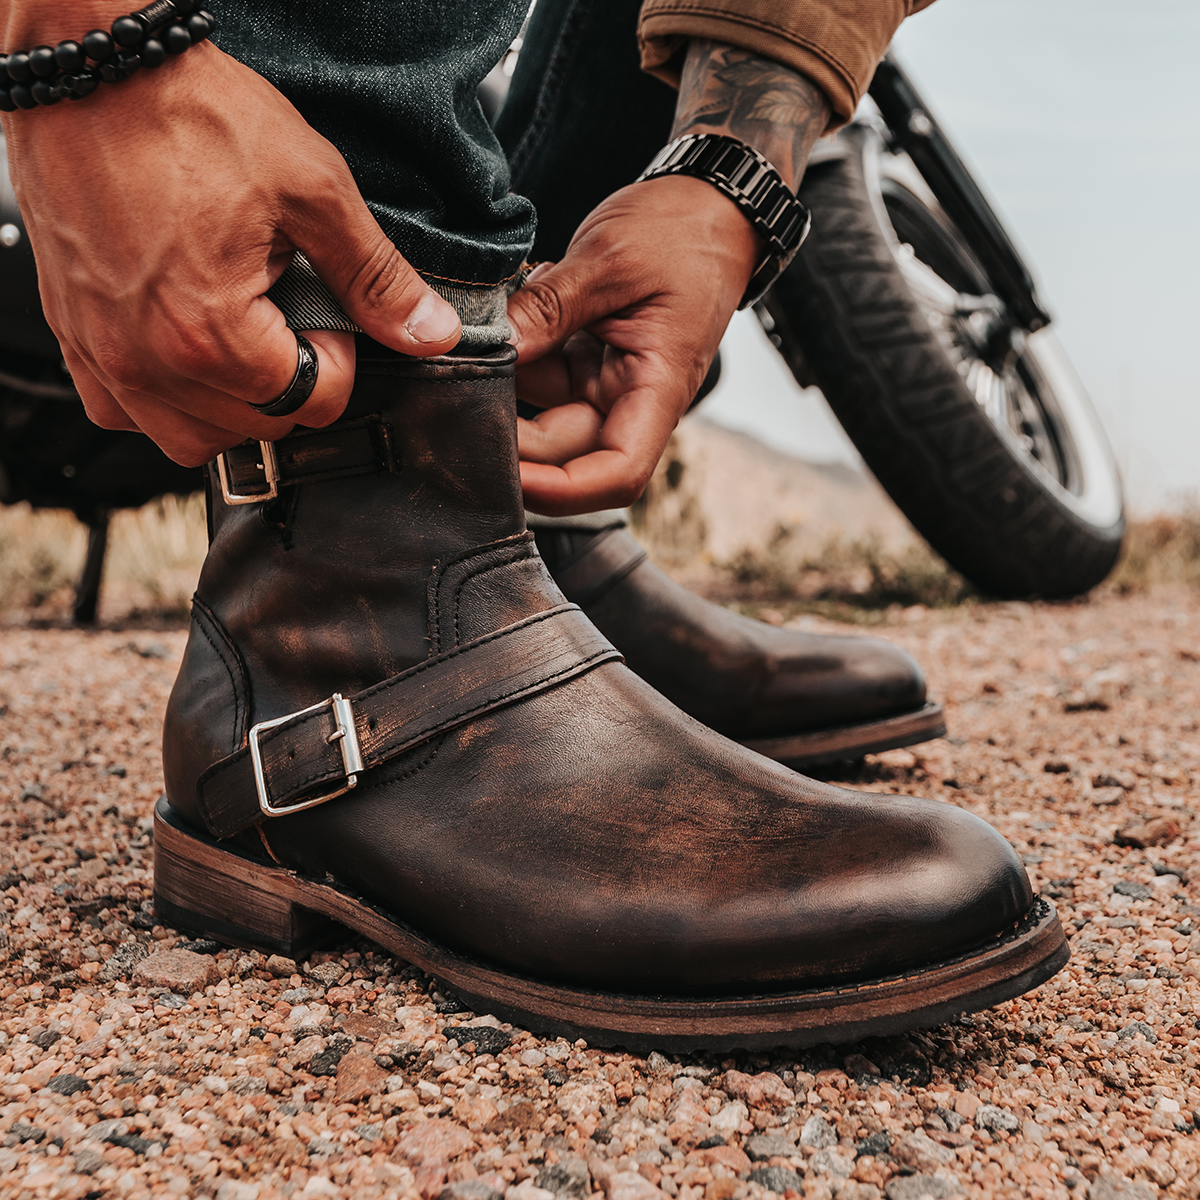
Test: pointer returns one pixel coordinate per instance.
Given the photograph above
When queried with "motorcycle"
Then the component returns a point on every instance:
(908, 306)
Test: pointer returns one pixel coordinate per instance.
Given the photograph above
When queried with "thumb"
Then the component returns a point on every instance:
(557, 300)
(375, 285)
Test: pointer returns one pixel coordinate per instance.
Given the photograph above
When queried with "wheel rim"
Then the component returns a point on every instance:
(1022, 383)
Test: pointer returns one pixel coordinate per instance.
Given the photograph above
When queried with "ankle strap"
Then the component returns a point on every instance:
(315, 755)
(255, 471)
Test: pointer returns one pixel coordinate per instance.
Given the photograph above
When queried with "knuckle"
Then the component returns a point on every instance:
(545, 301)
(381, 278)
(120, 363)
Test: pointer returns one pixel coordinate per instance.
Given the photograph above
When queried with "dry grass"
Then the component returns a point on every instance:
(155, 553)
(154, 557)
(1163, 549)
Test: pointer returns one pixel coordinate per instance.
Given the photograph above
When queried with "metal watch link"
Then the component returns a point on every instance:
(754, 185)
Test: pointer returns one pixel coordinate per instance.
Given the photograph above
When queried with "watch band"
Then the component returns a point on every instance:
(754, 185)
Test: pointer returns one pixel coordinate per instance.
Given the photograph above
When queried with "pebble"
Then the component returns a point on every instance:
(179, 970)
(921, 1187)
(568, 1179)
(777, 1179)
(125, 958)
(763, 1146)
(358, 1076)
(765, 1090)
(470, 1189)
(991, 1117)
(818, 1133)
(1141, 834)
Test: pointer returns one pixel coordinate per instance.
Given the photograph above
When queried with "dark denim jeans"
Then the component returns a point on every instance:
(392, 84)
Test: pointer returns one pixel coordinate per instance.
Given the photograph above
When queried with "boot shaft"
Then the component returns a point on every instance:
(413, 540)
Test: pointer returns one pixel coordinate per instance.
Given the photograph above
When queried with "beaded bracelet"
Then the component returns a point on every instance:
(47, 74)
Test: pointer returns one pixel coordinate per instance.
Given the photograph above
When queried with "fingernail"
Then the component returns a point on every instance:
(433, 320)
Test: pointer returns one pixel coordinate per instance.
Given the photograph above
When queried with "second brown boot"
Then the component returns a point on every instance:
(800, 698)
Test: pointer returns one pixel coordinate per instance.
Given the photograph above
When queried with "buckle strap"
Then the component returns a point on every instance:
(255, 471)
(310, 757)
(603, 564)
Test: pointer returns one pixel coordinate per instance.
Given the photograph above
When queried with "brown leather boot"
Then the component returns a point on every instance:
(388, 717)
(800, 698)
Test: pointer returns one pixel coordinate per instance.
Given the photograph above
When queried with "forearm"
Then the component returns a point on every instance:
(735, 92)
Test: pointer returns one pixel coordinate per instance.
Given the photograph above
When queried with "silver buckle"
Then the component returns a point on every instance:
(346, 737)
(270, 469)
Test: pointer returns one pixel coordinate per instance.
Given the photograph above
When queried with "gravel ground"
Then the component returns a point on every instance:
(134, 1062)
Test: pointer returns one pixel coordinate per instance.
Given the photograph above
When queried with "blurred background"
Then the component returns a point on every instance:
(1081, 121)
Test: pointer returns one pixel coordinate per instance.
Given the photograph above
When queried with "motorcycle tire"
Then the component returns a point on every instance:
(991, 449)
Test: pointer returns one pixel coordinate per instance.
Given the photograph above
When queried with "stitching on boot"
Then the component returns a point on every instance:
(516, 560)
(202, 615)
(438, 575)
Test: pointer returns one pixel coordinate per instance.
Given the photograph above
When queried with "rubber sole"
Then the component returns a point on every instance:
(203, 887)
(853, 741)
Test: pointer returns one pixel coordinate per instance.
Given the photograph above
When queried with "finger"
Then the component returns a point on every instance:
(98, 402)
(633, 438)
(559, 434)
(566, 376)
(370, 277)
(336, 359)
(566, 298)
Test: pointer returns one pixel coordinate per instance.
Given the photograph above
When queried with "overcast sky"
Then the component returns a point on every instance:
(1081, 119)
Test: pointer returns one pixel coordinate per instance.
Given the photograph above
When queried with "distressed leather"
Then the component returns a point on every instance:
(743, 678)
(591, 833)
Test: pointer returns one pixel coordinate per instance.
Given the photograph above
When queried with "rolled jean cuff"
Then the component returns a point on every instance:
(609, 518)
(307, 303)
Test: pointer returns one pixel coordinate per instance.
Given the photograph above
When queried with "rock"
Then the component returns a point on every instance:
(621, 1185)
(298, 995)
(469, 1189)
(368, 1028)
(766, 1090)
(818, 1133)
(830, 1162)
(531, 1058)
(858, 1064)
(248, 1085)
(1117, 1187)
(966, 1104)
(326, 973)
(763, 1146)
(920, 1187)
(853, 1190)
(68, 1085)
(281, 967)
(1134, 1028)
(88, 1162)
(729, 1119)
(325, 1062)
(123, 960)
(732, 1157)
(131, 1141)
(555, 1076)
(1125, 780)
(1141, 834)
(487, 1040)
(27, 1133)
(358, 1076)
(922, 1152)
(436, 1141)
(777, 1179)
(568, 1179)
(581, 1098)
(527, 1191)
(991, 1117)
(302, 1053)
(875, 1144)
(952, 1120)
(178, 971)
(520, 1115)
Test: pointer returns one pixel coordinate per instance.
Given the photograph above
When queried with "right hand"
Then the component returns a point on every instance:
(161, 210)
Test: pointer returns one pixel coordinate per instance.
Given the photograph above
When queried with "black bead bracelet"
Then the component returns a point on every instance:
(72, 70)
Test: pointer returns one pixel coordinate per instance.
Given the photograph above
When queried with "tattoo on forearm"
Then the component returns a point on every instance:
(778, 111)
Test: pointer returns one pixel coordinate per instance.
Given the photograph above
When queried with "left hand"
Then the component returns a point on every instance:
(615, 340)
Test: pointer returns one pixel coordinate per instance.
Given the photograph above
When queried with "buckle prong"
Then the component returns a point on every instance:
(346, 737)
(269, 467)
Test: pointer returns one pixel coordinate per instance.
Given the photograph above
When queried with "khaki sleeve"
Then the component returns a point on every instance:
(836, 43)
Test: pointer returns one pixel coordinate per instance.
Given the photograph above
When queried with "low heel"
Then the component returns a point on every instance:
(205, 889)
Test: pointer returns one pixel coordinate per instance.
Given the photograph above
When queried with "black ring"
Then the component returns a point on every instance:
(298, 391)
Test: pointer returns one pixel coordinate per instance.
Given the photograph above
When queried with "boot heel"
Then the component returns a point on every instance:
(203, 888)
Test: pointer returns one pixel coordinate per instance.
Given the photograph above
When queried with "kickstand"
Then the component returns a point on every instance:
(87, 593)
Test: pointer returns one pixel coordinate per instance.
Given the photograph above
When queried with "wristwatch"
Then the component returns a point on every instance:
(754, 185)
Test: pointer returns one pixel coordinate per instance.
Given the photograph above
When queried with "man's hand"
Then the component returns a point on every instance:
(160, 212)
(615, 339)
